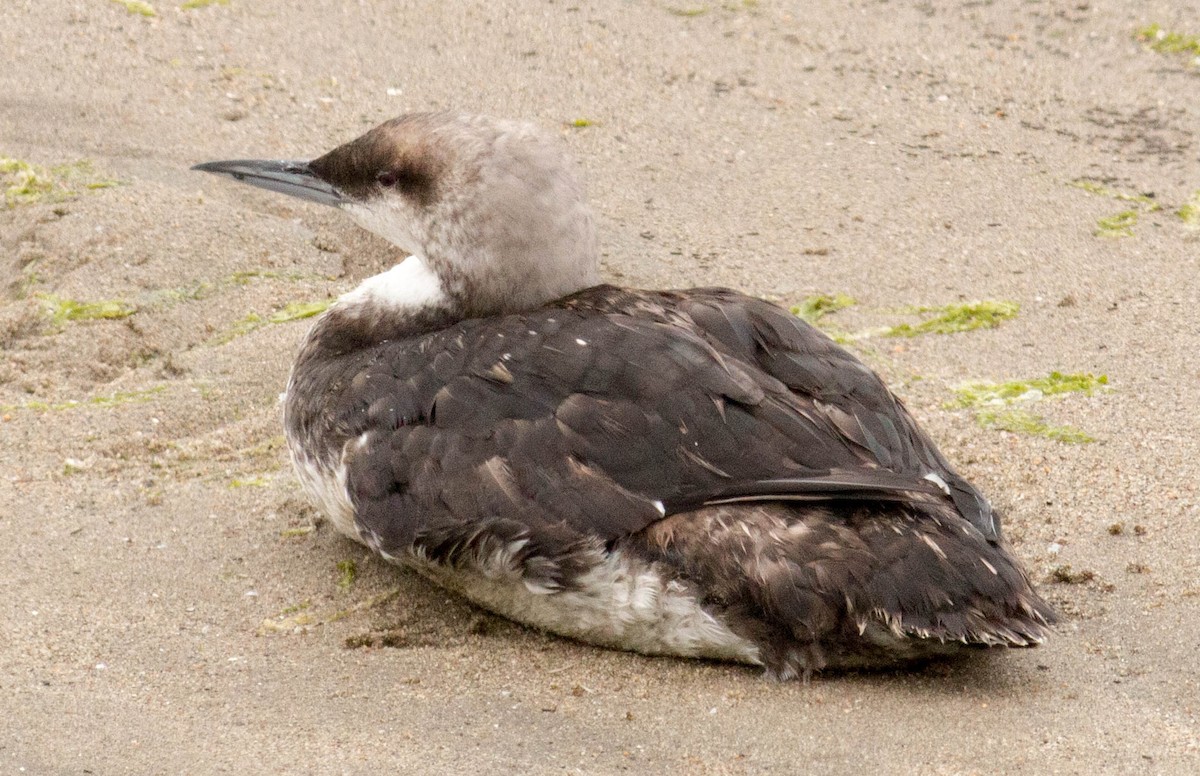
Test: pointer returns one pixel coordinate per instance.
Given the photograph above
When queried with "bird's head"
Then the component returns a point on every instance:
(492, 210)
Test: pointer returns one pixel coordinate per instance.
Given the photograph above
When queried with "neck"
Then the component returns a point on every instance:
(418, 296)
(513, 267)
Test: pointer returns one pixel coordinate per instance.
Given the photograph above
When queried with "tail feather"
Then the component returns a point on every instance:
(880, 586)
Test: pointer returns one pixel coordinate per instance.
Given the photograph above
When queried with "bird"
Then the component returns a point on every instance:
(696, 473)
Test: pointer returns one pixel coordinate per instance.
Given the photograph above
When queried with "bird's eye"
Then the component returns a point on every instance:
(387, 179)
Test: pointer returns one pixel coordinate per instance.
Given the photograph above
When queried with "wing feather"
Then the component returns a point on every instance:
(584, 422)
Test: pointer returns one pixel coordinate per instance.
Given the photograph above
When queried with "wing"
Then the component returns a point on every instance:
(853, 398)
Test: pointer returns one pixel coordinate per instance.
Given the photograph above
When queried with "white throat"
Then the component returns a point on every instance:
(409, 287)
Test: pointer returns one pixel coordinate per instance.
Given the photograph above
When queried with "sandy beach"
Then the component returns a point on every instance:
(173, 605)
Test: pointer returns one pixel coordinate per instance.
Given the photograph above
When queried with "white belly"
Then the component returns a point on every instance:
(621, 603)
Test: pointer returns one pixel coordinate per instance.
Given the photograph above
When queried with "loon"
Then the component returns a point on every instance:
(694, 473)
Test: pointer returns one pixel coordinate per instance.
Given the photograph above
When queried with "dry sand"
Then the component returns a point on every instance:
(167, 608)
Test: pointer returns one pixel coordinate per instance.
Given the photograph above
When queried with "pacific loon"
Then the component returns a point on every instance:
(694, 473)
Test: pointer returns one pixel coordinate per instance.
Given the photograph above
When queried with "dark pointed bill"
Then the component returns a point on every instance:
(292, 178)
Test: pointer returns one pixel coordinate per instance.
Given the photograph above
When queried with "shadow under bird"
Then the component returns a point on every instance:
(695, 473)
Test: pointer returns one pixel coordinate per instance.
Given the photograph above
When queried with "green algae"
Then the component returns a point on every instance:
(111, 400)
(118, 398)
(25, 183)
(1100, 190)
(62, 310)
(348, 573)
(814, 308)
(191, 5)
(581, 123)
(1117, 225)
(300, 607)
(293, 311)
(296, 311)
(1021, 421)
(1190, 211)
(258, 481)
(137, 7)
(956, 318)
(241, 327)
(73, 466)
(993, 403)
(1165, 42)
(979, 394)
